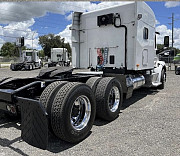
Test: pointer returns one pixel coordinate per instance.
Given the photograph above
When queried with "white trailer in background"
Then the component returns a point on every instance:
(59, 56)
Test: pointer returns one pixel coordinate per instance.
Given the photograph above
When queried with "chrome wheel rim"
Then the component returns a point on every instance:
(114, 99)
(80, 112)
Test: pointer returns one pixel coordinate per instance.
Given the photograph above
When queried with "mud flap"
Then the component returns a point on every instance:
(34, 123)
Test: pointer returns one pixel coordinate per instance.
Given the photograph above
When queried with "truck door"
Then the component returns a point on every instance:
(145, 57)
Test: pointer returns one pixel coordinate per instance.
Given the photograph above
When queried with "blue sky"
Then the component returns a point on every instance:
(34, 19)
(162, 13)
(59, 22)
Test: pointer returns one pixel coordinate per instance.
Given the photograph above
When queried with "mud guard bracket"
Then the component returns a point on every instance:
(34, 123)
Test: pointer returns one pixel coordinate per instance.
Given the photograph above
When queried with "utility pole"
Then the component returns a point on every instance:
(172, 24)
(32, 39)
(172, 29)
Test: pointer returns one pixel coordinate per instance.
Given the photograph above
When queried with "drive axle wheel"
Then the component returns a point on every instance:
(114, 99)
(48, 96)
(108, 98)
(73, 112)
(80, 112)
(93, 82)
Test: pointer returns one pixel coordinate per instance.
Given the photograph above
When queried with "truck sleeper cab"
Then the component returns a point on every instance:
(117, 44)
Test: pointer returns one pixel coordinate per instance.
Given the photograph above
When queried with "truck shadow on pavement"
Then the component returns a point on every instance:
(56, 145)
(137, 95)
(4, 142)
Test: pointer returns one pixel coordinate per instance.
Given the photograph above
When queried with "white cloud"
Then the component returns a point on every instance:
(164, 31)
(18, 29)
(69, 17)
(88, 6)
(1, 42)
(171, 4)
(20, 16)
(157, 22)
(32, 44)
(23, 11)
(66, 33)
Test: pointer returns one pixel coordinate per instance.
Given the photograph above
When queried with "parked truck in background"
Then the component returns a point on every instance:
(118, 45)
(29, 60)
(176, 62)
(59, 56)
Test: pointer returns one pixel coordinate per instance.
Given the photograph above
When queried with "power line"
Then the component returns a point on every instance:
(23, 30)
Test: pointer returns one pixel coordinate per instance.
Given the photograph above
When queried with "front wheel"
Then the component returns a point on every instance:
(163, 79)
(73, 112)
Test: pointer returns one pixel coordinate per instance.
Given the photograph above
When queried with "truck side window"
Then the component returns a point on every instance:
(145, 33)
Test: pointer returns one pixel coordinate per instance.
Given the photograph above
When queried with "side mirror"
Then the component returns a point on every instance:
(166, 41)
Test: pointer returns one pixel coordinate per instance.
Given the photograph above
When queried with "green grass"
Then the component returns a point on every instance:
(5, 63)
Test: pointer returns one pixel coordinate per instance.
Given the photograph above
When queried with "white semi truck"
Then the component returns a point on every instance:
(118, 45)
(59, 56)
(29, 60)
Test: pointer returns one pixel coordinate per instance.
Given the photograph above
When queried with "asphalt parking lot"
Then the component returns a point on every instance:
(148, 124)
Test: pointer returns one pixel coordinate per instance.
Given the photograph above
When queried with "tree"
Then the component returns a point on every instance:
(160, 47)
(41, 53)
(8, 49)
(51, 41)
(68, 47)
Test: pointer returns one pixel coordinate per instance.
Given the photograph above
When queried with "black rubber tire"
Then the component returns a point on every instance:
(162, 80)
(61, 109)
(33, 67)
(102, 93)
(28, 67)
(93, 82)
(48, 96)
(13, 69)
(177, 72)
